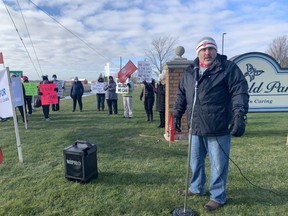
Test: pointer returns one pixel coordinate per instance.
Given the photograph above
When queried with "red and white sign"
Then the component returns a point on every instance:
(126, 71)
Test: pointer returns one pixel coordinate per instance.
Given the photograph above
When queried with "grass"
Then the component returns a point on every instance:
(139, 173)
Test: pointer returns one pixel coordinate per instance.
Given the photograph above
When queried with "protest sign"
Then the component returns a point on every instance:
(31, 89)
(98, 87)
(49, 95)
(122, 88)
(59, 84)
(126, 71)
(17, 89)
(144, 71)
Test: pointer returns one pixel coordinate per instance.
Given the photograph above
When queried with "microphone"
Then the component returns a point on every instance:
(197, 75)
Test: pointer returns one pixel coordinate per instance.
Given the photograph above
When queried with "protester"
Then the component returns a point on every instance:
(56, 107)
(28, 98)
(160, 100)
(111, 96)
(77, 90)
(21, 108)
(45, 108)
(219, 112)
(127, 100)
(100, 96)
(147, 92)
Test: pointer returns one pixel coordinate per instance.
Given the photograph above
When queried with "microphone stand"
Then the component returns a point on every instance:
(187, 211)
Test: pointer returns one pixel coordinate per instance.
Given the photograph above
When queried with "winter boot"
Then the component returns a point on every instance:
(148, 117)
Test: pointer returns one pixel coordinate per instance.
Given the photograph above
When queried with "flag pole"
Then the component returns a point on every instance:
(19, 148)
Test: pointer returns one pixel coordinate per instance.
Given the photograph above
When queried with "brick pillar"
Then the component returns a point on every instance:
(174, 70)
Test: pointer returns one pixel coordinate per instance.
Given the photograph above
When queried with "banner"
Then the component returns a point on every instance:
(31, 89)
(17, 89)
(98, 87)
(49, 95)
(126, 71)
(6, 109)
(144, 71)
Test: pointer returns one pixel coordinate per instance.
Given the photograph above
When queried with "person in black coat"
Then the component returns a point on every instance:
(28, 98)
(100, 96)
(160, 100)
(148, 92)
(77, 90)
(214, 93)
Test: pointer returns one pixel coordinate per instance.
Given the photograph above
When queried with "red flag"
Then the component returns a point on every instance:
(126, 71)
(171, 130)
(1, 156)
(1, 58)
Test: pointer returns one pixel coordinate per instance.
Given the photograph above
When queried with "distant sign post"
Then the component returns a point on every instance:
(16, 73)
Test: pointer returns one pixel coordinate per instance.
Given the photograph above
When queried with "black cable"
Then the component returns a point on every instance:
(249, 181)
(19, 36)
(72, 33)
(30, 40)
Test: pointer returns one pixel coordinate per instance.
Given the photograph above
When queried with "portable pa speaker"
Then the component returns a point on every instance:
(80, 161)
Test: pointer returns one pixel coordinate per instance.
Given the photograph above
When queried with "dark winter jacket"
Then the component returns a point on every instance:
(148, 91)
(160, 99)
(77, 89)
(110, 89)
(222, 92)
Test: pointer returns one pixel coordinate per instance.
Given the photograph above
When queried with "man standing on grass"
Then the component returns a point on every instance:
(220, 108)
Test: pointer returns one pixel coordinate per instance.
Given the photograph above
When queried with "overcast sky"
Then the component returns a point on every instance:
(108, 29)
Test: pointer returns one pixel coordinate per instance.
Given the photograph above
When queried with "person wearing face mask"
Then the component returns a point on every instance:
(111, 96)
(56, 107)
(76, 92)
(28, 98)
(219, 111)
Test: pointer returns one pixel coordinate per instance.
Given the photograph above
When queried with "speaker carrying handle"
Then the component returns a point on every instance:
(82, 142)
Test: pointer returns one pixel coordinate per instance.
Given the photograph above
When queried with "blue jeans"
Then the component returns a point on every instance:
(214, 146)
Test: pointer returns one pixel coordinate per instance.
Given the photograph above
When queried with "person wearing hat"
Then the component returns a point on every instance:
(45, 108)
(100, 96)
(219, 111)
(56, 107)
(77, 90)
(28, 98)
(111, 96)
(160, 99)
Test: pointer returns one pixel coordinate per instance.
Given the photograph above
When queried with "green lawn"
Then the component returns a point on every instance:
(139, 173)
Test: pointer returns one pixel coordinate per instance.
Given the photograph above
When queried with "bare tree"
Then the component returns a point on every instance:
(278, 49)
(162, 51)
